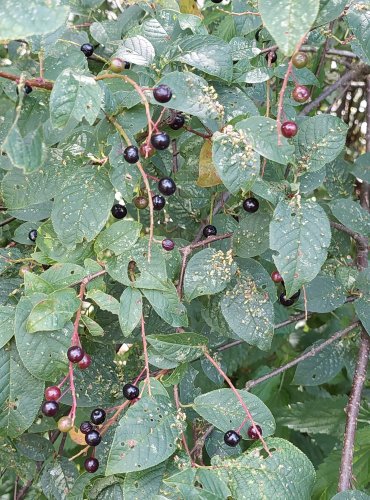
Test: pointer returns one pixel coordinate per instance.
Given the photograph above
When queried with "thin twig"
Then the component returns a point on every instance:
(201, 134)
(247, 13)
(324, 51)
(7, 221)
(33, 82)
(62, 443)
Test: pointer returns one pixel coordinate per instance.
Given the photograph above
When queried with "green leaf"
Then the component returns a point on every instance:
(74, 96)
(28, 152)
(324, 294)
(222, 409)
(208, 53)
(249, 313)
(319, 141)
(62, 275)
(208, 272)
(358, 17)
(82, 208)
(236, 163)
(44, 354)
(118, 237)
(351, 495)
(104, 301)
(363, 311)
(352, 215)
(30, 18)
(34, 447)
(130, 310)
(147, 483)
(326, 418)
(329, 11)
(93, 327)
(286, 475)
(262, 132)
(53, 312)
(251, 237)
(167, 305)
(58, 478)
(21, 394)
(280, 18)
(300, 234)
(179, 347)
(7, 314)
(361, 168)
(136, 50)
(136, 435)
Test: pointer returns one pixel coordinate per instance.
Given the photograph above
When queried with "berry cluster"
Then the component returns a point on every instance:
(93, 436)
(232, 438)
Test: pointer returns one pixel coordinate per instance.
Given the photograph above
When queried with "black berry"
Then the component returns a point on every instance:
(93, 438)
(75, 353)
(177, 121)
(32, 235)
(127, 65)
(231, 438)
(119, 211)
(162, 93)
(283, 299)
(27, 89)
(131, 154)
(166, 186)
(91, 464)
(160, 141)
(251, 205)
(158, 202)
(168, 244)
(130, 391)
(52, 393)
(209, 231)
(49, 408)
(86, 427)
(252, 432)
(271, 56)
(87, 49)
(216, 1)
(97, 416)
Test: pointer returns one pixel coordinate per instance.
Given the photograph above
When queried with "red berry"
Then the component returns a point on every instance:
(52, 393)
(252, 432)
(146, 150)
(85, 362)
(276, 277)
(289, 129)
(75, 354)
(300, 93)
(168, 244)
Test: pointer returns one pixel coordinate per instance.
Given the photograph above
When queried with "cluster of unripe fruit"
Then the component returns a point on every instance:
(232, 438)
(283, 299)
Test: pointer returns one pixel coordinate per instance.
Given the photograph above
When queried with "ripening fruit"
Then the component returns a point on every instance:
(87, 49)
(300, 93)
(289, 129)
(252, 433)
(300, 60)
(271, 56)
(231, 438)
(146, 150)
(162, 93)
(75, 354)
(65, 424)
(52, 393)
(130, 391)
(141, 202)
(209, 230)
(117, 65)
(168, 244)
(85, 362)
(276, 277)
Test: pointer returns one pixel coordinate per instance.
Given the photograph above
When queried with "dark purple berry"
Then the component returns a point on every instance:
(158, 202)
(27, 89)
(32, 235)
(162, 93)
(271, 56)
(177, 122)
(97, 416)
(168, 244)
(160, 140)
(87, 49)
(131, 154)
(91, 464)
(127, 65)
(130, 391)
(209, 231)
(75, 354)
(300, 93)
(119, 211)
(166, 186)
(252, 432)
(289, 129)
(276, 277)
(231, 438)
(49, 408)
(86, 427)
(85, 362)
(251, 205)
(283, 299)
(93, 438)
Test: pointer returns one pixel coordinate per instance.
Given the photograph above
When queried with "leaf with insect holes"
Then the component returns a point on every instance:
(183, 347)
(300, 236)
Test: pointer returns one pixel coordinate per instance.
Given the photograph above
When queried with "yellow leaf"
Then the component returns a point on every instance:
(77, 436)
(190, 7)
(207, 173)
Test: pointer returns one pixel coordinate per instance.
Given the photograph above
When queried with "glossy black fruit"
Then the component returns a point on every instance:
(32, 234)
(75, 353)
(119, 211)
(49, 408)
(162, 93)
(216, 1)
(93, 438)
(131, 154)
(91, 464)
(232, 438)
(271, 56)
(87, 49)
(97, 416)
(251, 205)
(130, 391)
(160, 141)
(283, 299)
(252, 433)
(177, 121)
(86, 427)
(168, 244)
(127, 65)
(166, 186)
(209, 231)
(27, 89)
(158, 202)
